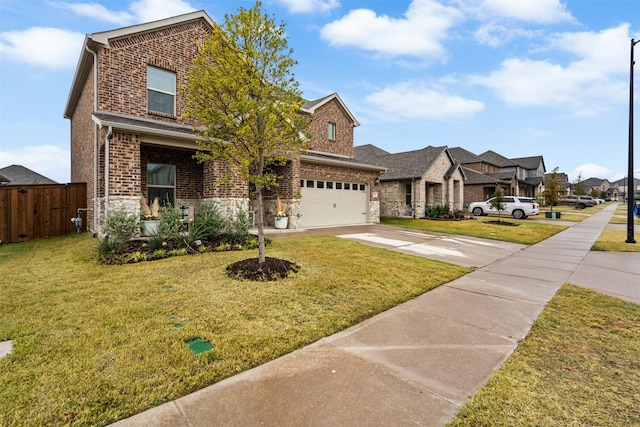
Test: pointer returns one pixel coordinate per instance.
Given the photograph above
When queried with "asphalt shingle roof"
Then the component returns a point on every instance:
(19, 175)
(407, 165)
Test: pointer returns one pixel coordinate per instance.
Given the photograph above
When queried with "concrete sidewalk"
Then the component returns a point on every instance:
(419, 362)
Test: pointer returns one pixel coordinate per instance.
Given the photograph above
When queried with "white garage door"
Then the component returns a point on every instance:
(327, 203)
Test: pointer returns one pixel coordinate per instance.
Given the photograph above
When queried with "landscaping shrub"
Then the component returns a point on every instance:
(208, 222)
(120, 227)
(436, 211)
(171, 224)
(238, 229)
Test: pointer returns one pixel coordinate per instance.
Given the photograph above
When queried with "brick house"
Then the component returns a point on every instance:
(414, 180)
(529, 172)
(483, 177)
(129, 137)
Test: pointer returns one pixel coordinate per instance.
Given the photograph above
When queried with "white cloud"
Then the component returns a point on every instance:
(152, 10)
(591, 170)
(96, 11)
(418, 33)
(48, 160)
(591, 84)
(536, 11)
(139, 11)
(417, 101)
(494, 34)
(309, 6)
(51, 47)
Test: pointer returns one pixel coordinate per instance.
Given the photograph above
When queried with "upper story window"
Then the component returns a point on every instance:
(331, 131)
(161, 91)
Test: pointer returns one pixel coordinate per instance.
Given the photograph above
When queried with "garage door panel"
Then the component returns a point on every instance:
(325, 207)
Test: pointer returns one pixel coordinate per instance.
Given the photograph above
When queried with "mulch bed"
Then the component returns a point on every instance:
(506, 223)
(251, 269)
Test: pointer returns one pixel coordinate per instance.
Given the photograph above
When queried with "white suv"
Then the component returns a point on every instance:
(518, 207)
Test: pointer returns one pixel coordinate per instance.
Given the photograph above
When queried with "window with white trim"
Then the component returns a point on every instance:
(331, 131)
(161, 183)
(161, 91)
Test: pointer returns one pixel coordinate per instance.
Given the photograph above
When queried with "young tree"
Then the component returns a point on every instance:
(242, 90)
(552, 189)
(579, 188)
(498, 203)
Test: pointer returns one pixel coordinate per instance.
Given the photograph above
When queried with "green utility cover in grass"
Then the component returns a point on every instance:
(199, 345)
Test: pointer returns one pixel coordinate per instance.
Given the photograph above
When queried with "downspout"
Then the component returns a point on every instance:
(96, 212)
(106, 170)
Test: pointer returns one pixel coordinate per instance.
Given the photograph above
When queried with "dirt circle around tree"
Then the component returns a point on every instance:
(251, 269)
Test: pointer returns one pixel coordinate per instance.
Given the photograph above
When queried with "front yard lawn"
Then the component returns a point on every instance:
(614, 240)
(96, 343)
(527, 232)
(578, 366)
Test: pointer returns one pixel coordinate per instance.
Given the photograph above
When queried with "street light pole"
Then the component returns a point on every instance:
(630, 179)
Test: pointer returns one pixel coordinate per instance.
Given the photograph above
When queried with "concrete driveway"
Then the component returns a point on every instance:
(461, 250)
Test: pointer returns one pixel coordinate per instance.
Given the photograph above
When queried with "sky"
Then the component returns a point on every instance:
(522, 78)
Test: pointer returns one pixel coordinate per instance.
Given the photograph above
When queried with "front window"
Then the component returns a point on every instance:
(161, 91)
(408, 194)
(161, 183)
(331, 131)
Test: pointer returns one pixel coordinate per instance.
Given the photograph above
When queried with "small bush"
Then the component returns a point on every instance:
(238, 229)
(120, 227)
(156, 242)
(171, 224)
(208, 221)
(436, 211)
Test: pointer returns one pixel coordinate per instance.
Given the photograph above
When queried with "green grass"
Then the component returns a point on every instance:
(96, 343)
(527, 232)
(614, 241)
(579, 366)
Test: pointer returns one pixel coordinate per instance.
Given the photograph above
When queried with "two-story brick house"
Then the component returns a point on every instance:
(129, 137)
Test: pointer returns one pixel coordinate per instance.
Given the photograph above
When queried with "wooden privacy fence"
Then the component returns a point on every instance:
(30, 212)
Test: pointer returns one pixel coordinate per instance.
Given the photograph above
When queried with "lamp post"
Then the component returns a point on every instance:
(630, 180)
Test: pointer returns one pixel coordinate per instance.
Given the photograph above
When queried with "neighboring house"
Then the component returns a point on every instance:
(621, 186)
(529, 172)
(19, 175)
(597, 187)
(414, 180)
(479, 187)
(483, 177)
(129, 137)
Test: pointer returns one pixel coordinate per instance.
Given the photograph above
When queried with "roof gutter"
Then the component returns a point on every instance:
(340, 163)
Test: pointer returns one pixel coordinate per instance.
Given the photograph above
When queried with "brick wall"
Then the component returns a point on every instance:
(334, 113)
(82, 145)
(123, 68)
(216, 186)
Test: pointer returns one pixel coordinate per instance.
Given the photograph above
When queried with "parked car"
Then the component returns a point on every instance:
(518, 207)
(578, 201)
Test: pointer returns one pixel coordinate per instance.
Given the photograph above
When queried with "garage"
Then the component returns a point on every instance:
(326, 203)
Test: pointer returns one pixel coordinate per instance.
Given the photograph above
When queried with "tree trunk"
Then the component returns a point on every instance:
(260, 219)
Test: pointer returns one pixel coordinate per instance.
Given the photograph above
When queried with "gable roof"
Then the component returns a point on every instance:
(497, 159)
(19, 175)
(104, 38)
(464, 156)
(369, 151)
(530, 163)
(476, 178)
(311, 106)
(406, 165)
(593, 182)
